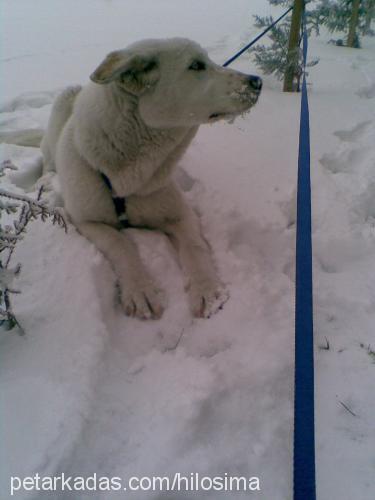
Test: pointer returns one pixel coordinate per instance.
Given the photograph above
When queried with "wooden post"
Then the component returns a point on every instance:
(291, 59)
(353, 23)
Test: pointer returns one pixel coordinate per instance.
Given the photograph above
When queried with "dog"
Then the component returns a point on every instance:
(120, 137)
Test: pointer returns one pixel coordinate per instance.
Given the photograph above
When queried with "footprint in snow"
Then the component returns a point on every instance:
(343, 161)
(354, 152)
(337, 254)
(353, 134)
(364, 207)
(265, 247)
(367, 92)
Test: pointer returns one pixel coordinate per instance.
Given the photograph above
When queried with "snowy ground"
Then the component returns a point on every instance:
(88, 390)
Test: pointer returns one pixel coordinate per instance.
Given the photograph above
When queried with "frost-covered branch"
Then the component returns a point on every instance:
(27, 209)
(7, 164)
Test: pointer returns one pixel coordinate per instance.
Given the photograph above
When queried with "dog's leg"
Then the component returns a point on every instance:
(168, 211)
(89, 203)
(206, 292)
(139, 294)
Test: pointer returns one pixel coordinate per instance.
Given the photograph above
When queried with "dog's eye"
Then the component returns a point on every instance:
(150, 66)
(197, 66)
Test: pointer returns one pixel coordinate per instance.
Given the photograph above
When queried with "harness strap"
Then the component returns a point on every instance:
(119, 203)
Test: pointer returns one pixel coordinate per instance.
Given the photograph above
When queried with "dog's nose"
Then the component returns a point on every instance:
(255, 82)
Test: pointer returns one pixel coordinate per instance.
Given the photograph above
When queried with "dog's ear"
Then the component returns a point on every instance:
(108, 69)
(134, 71)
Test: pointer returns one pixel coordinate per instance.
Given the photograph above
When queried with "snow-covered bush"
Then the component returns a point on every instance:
(18, 210)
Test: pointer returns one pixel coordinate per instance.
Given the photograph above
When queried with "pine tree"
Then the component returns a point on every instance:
(348, 16)
(283, 57)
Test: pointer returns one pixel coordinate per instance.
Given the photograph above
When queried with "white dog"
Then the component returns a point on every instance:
(119, 138)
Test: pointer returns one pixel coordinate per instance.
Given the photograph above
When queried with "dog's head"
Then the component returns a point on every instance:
(177, 84)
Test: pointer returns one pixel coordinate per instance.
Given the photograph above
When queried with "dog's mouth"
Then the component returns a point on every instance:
(245, 101)
(229, 117)
(216, 116)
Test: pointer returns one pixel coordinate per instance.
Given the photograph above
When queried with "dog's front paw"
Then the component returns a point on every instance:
(144, 301)
(206, 298)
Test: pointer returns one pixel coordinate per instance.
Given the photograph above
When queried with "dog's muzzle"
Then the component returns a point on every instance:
(246, 96)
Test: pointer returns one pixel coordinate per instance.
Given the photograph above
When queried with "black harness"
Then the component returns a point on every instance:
(119, 203)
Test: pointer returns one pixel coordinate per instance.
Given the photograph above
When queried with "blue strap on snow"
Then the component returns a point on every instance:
(229, 61)
(304, 433)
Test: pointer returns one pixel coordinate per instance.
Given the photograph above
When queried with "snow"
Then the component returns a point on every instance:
(89, 390)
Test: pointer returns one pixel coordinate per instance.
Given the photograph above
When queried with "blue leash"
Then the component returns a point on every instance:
(304, 487)
(244, 49)
(304, 432)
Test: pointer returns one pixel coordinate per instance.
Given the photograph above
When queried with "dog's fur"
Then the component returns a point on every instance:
(133, 124)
